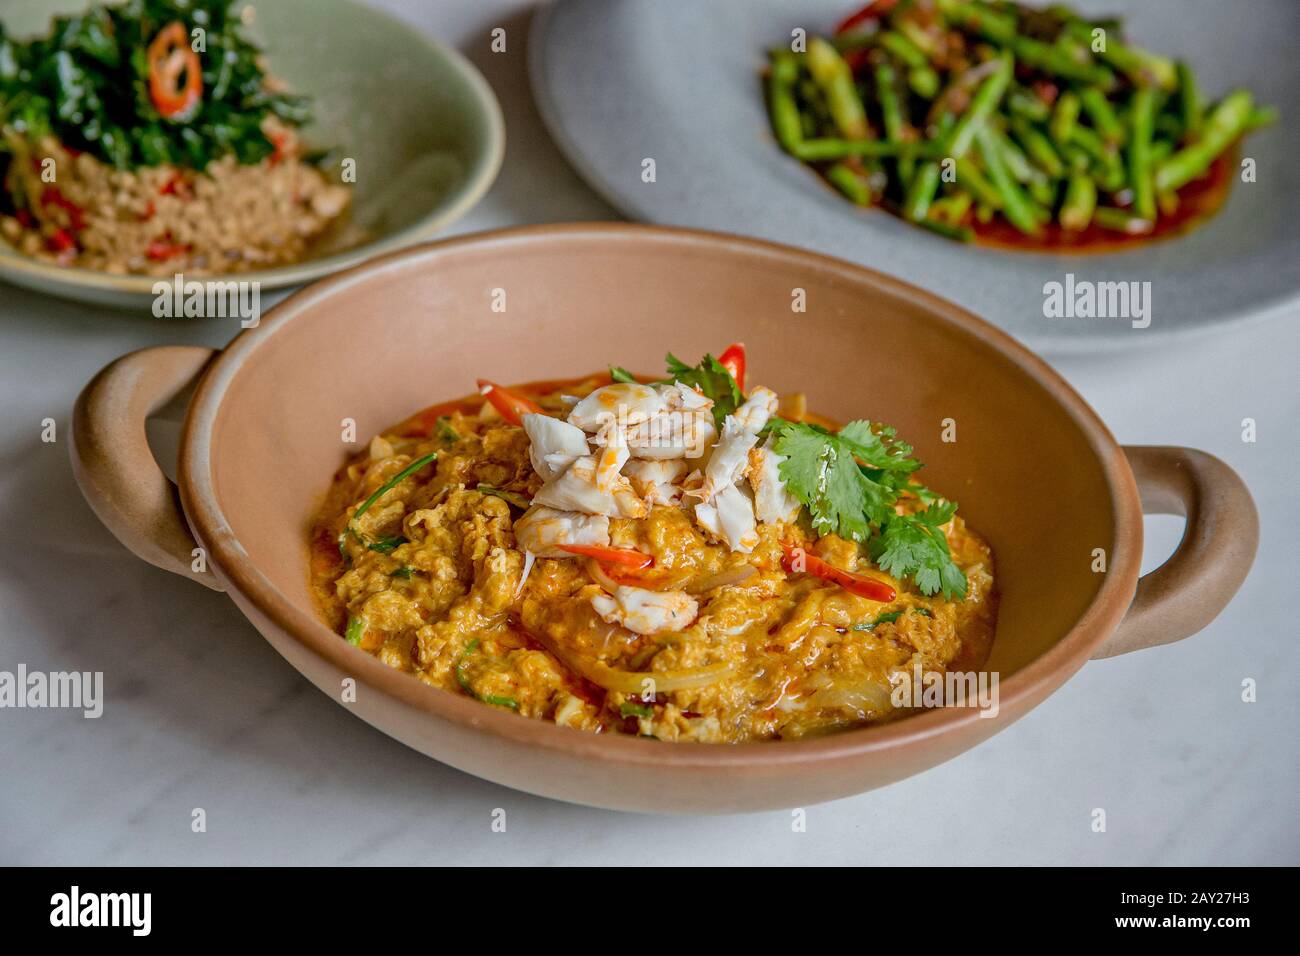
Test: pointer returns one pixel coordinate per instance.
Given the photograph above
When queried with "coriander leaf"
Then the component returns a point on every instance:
(914, 545)
(711, 378)
(619, 374)
(820, 470)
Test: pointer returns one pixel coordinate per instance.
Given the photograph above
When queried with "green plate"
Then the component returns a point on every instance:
(422, 124)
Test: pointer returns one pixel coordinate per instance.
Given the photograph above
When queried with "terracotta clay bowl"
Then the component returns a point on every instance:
(1034, 468)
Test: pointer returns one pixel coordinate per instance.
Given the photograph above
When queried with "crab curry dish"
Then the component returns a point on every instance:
(681, 558)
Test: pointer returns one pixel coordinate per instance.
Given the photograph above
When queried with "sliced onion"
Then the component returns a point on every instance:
(864, 696)
(727, 578)
(529, 560)
(633, 682)
(599, 575)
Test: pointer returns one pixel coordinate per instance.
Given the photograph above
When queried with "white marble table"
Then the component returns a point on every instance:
(201, 712)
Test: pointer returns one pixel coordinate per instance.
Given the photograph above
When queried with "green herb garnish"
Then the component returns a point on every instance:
(850, 482)
(87, 83)
(356, 630)
(712, 379)
(888, 618)
(386, 545)
(619, 374)
(511, 497)
(404, 573)
(379, 493)
(445, 431)
(915, 545)
(635, 710)
(463, 681)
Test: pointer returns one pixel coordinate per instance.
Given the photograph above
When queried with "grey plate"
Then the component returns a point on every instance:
(678, 81)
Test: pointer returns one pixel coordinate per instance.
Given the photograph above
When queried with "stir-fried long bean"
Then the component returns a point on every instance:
(957, 113)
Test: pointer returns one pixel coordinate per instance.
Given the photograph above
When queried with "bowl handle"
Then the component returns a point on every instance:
(116, 468)
(1189, 590)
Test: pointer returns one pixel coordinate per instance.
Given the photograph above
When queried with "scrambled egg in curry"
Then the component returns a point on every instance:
(517, 547)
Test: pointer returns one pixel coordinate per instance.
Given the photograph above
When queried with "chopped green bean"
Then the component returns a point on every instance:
(1225, 123)
(1026, 105)
(969, 177)
(850, 184)
(1021, 211)
(1120, 220)
(923, 81)
(903, 48)
(835, 78)
(998, 26)
(1079, 204)
(1142, 67)
(829, 148)
(922, 191)
(1056, 61)
(890, 108)
(1102, 114)
(952, 208)
(983, 103)
(1190, 107)
(947, 230)
(1261, 116)
(1038, 147)
(786, 121)
(1065, 118)
(1140, 175)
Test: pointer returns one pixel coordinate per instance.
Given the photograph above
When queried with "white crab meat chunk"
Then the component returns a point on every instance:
(677, 395)
(773, 502)
(554, 445)
(623, 403)
(729, 517)
(758, 408)
(646, 612)
(609, 466)
(579, 489)
(729, 458)
(680, 433)
(656, 481)
(541, 530)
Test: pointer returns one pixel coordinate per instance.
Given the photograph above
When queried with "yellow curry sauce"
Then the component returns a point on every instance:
(431, 580)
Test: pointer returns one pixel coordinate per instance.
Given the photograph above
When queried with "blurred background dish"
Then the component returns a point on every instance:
(620, 82)
(422, 125)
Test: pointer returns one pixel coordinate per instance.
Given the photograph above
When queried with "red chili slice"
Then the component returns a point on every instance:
(160, 250)
(52, 196)
(175, 73)
(60, 241)
(733, 360)
(511, 406)
(799, 560)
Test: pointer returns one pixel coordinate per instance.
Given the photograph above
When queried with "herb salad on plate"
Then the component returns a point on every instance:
(149, 138)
